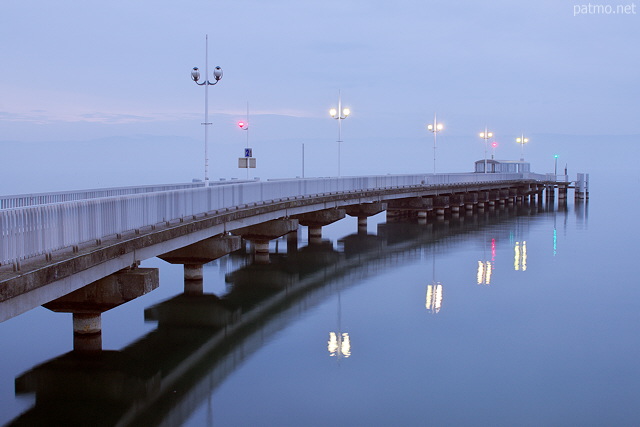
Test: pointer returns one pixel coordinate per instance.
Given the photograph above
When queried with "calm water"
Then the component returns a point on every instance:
(401, 326)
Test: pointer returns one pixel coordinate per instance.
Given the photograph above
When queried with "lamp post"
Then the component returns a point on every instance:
(195, 76)
(522, 140)
(555, 167)
(339, 114)
(486, 135)
(244, 125)
(434, 127)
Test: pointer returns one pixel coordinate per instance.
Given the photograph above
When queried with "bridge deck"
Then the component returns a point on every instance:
(75, 243)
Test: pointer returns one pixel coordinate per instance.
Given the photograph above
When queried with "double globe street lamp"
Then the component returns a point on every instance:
(486, 135)
(195, 76)
(339, 114)
(434, 127)
(522, 140)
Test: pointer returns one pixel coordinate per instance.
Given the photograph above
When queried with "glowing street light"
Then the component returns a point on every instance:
(339, 114)
(522, 140)
(244, 125)
(494, 144)
(434, 127)
(339, 345)
(485, 269)
(433, 301)
(195, 76)
(520, 256)
(486, 135)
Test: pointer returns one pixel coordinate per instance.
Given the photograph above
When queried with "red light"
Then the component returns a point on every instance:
(494, 144)
(241, 124)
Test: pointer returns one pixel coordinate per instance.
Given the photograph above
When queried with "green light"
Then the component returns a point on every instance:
(556, 156)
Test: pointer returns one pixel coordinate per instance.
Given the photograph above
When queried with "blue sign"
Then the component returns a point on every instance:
(248, 152)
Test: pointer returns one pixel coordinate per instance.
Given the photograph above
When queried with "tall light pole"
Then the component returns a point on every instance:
(340, 114)
(244, 125)
(494, 144)
(555, 167)
(434, 127)
(522, 140)
(486, 135)
(195, 76)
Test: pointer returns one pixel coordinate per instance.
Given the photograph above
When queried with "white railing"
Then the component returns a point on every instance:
(23, 200)
(40, 229)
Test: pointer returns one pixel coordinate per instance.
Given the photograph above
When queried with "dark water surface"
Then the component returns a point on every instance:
(401, 326)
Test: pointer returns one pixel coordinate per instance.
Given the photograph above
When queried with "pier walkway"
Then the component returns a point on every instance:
(54, 244)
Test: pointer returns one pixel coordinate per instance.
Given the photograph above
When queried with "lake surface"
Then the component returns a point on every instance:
(516, 316)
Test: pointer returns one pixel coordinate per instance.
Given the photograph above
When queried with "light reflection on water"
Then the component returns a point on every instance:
(535, 345)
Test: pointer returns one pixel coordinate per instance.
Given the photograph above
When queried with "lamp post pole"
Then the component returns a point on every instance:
(340, 114)
(486, 135)
(435, 128)
(195, 76)
(522, 140)
(244, 125)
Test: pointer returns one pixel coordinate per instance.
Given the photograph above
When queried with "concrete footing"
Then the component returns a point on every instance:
(88, 303)
(260, 235)
(316, 220)
(362, 224)
(260, 251)
(194, 256)
(87, 332)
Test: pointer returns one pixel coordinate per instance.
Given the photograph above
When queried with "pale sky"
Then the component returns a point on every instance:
(81, 71)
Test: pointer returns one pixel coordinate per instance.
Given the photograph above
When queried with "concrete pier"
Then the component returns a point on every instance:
(260, 235)
(316, 220)
(441, 204)
(194, 256)
(582, 187)
(364, 211)
(292, 242)
(422, 217)
(88, 303)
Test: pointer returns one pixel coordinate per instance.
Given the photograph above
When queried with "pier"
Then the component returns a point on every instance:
(53, 245)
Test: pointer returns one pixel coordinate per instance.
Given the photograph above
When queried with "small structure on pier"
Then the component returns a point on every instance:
(502, 166)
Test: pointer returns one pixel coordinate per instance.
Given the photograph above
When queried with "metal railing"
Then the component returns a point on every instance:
(42, 228)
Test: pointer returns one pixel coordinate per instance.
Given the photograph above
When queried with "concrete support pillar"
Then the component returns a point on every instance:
(393, 215)
(316, 220)
(260, 234)
(562, 192)
(87, 332)
(193, 279)
(363, 211)
(550, 192)
(193, 272)
(194, 256)
(261, 251)
(422, 217)
(315, 234)
(292, 242)
(88, 303)
(362, 225)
